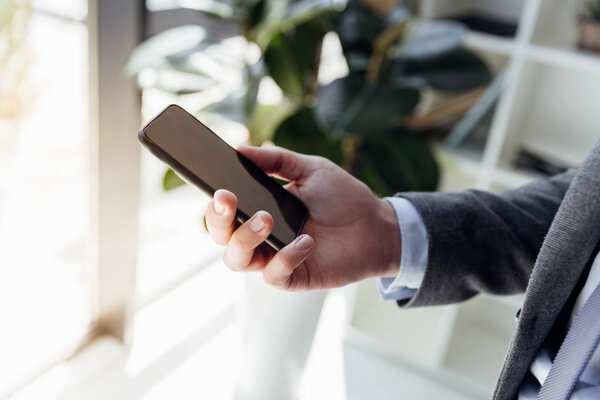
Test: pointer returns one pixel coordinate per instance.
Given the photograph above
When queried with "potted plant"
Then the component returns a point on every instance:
(589, 26)
(358, 121)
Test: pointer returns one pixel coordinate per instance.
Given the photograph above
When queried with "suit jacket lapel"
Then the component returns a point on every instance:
(567, 249)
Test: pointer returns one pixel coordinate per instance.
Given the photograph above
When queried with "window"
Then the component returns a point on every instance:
(44, 174)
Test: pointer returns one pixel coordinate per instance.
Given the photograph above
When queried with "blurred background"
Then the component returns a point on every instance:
(109, 284)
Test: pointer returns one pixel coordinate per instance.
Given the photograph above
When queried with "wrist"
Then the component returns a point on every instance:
(390, 239)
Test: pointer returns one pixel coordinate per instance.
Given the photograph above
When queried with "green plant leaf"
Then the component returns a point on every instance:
(273, 12)
(265, 120)
(283, 67)
(301, 133)
(396, 162)
(433, 40)
(456, 71)
(357, 61)
(351, 106)
(163, 61)
(222, 9)
(231, 108)
(155, 52)
(8, 9)
(254, 74)
(256, 13)
(171, 180)
(591, 10)
(188, 66)
(292, 58)
(238, 106)
(281, 17)
(357, 27)
(300, 12)
(174, 81)
(204, 224)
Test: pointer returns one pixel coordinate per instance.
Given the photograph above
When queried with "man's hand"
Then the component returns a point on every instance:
(350, 234)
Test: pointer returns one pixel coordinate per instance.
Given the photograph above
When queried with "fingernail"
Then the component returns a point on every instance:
(218, 207)
(256, 223)
(303, 242)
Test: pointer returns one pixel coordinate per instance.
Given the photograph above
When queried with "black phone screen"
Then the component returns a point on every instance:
(201, 157)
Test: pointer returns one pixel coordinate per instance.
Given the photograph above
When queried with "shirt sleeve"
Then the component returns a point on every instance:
(414, 253)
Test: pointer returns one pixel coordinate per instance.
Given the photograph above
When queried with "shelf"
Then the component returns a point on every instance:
(465, 158)
(489, 43)
(467, 165)
(499, 178)
(375, 370)
(478, 41)
(549, 107)
(427, 345)
(480, 338)
(555, 113)
(477, 354)
(511, 178)
(567, 59)
(556, 24)
(461, 169)
(418, 334)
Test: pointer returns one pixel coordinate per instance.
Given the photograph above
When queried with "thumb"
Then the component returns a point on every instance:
(280, 162)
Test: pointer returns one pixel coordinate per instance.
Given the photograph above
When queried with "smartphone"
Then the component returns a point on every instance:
(203, 159)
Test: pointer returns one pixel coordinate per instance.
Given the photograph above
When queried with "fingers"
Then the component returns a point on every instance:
(279, 270)
(280, 162)
(240, 249)
(241, 243)
(220, 216)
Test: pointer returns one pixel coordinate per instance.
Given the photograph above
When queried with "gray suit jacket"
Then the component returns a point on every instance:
(539, 239)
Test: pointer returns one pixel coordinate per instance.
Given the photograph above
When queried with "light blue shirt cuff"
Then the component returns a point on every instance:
(387, 292)
(413, 261)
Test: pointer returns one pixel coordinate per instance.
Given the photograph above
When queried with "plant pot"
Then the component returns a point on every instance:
(278, 330)
(589, 35)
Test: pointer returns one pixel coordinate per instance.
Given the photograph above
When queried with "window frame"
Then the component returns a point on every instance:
(115, 28)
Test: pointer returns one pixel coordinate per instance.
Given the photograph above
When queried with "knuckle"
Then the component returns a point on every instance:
(210, 224)
(230, 263)
(285, 259)
(223, 220)
(214, 224)
(217, 235)
(319, 160)
(235, 242)
(220, 240)
(271, 279)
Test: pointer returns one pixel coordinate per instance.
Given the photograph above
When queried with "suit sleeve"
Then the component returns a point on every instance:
(484, 242)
